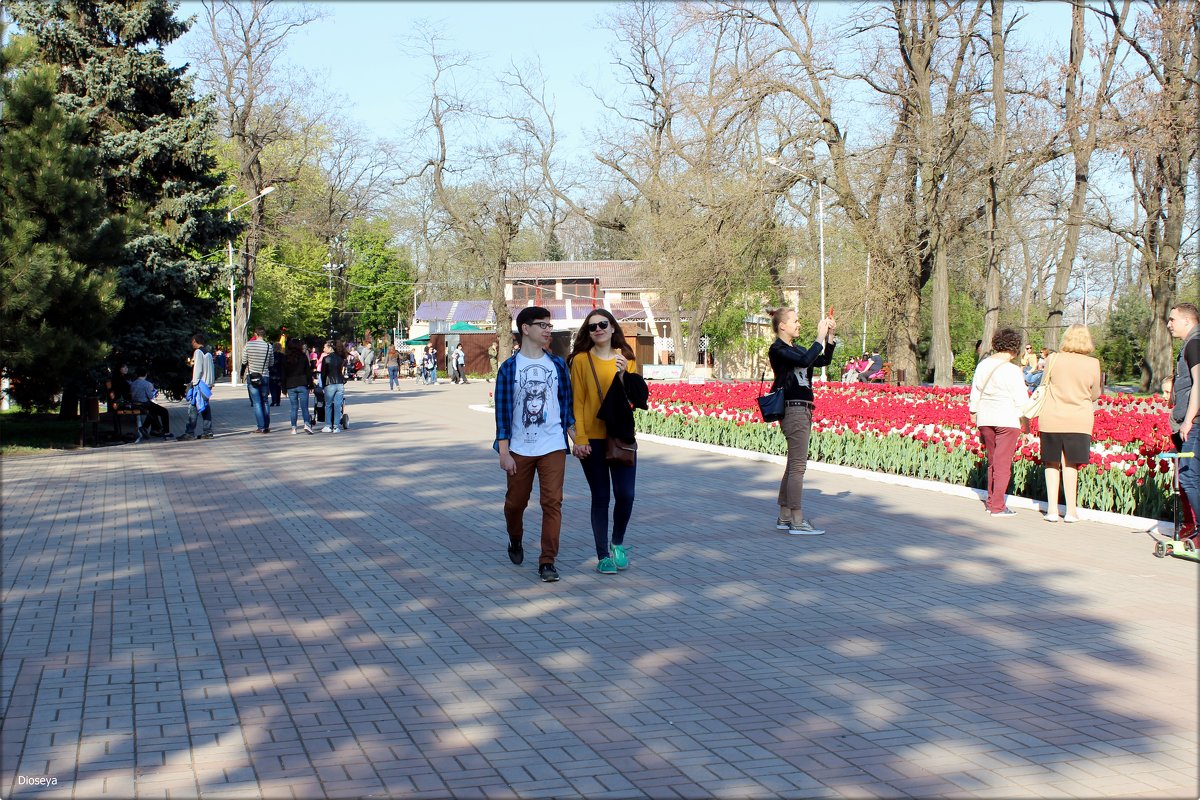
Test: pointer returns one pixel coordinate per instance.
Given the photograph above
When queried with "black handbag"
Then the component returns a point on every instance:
(772, 404)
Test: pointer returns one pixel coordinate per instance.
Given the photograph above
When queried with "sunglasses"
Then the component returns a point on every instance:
(598, 326)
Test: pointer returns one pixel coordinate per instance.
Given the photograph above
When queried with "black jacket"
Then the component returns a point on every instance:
(616, 411)
(331, 369)
(789, 360)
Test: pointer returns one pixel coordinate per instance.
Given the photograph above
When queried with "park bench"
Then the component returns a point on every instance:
(96, 425)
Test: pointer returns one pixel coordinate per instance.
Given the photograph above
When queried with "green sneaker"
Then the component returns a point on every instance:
(606, 567)
(620, 557)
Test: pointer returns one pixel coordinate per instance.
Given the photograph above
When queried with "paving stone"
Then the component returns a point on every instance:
(198, 612)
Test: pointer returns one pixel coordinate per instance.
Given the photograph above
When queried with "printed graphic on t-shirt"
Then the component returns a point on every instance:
(537, 421)
(801, 377)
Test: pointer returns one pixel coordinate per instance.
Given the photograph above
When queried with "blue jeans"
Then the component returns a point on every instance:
(335, 398)
(599, 473)
(260, 398)
(433, 375)
(393, 377)
(1189, 468)
(298, 397)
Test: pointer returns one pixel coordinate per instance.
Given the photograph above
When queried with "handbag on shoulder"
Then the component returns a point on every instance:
(772, 404)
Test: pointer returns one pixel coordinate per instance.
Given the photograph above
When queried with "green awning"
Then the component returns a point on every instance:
(419, 340)
(464, 327)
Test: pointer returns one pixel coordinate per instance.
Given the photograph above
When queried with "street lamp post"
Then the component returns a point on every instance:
(232, 313)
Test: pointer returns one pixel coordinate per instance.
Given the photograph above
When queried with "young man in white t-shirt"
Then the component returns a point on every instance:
(535, 426)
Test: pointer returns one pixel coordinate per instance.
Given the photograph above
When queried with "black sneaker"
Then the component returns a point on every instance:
(516, 553)
(187, 437)
(548, 573)
(210, 436)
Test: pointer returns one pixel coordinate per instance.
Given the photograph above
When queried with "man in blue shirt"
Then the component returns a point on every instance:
(535, 426)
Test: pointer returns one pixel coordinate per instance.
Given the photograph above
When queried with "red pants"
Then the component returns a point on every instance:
(1001, 445)
(549, 469)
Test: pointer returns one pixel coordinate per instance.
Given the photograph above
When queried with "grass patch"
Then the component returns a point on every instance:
(23, 433)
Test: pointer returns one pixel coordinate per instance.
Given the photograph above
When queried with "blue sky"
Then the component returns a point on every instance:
(358, 49)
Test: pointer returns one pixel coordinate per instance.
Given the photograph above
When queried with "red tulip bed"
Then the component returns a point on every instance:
(925, 432)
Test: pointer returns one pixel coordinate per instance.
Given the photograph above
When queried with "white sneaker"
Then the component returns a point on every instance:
(337, 430)
(1050, 517)
(294, 431)
(326, 429)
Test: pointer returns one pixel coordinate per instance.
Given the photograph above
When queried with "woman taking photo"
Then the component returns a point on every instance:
(1073, 383)
(997, 398)
(599, 358)
(793, 370)
(297, 380)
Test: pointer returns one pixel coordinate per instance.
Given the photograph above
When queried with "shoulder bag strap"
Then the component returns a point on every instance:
(592, 364)
(1046, 374)
(988, 379)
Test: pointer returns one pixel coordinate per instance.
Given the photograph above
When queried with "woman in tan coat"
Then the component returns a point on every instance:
(1067, 417)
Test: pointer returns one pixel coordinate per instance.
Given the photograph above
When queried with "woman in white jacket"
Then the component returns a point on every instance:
(998, 395)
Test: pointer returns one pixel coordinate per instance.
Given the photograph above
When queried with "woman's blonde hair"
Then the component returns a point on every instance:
(1077, 339)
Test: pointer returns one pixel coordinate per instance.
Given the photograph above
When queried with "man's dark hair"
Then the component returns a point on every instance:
(198, 338)
(260, 332)
(529, 315)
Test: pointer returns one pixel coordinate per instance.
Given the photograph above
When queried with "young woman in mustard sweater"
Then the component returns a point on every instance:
(600, 345)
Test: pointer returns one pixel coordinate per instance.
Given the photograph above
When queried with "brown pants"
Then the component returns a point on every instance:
(797, 427)
(550, 469)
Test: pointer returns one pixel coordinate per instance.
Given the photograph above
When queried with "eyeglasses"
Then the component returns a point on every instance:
(598, 326)
(543, 325)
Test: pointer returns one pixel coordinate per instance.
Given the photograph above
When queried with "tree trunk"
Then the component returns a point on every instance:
(991, 293)
(940, 349)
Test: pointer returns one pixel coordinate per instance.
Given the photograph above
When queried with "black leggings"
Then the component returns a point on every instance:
(599, 473)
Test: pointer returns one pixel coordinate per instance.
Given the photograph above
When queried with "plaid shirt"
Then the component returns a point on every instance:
(506, 379)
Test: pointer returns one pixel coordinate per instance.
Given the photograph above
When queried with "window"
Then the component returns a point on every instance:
(525, 290)
(580, 290)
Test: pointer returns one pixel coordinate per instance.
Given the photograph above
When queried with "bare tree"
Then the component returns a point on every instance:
(487, 208)
(261, 109)
(1083, 122)
(1161, 133)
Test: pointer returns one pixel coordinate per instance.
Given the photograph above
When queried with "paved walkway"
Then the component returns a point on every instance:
(284, 616)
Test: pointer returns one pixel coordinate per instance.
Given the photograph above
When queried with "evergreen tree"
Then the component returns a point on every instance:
(57, 293)
(152, 136)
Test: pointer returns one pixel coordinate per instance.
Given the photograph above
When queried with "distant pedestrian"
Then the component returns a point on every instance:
(1067, 418)
(391, 360)
(604, 382)
(297, 381)
(256, 368)
(430, 365)
(793, 370)
(535, 425)
(220, 363)
(276, 374)
(459, 361)
(199, 391)
(333, 382)
(998, 396)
